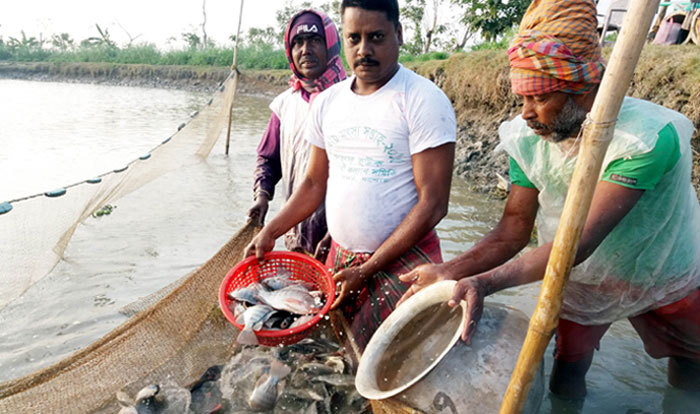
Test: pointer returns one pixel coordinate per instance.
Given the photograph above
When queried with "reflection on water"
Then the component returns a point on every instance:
(54, 134)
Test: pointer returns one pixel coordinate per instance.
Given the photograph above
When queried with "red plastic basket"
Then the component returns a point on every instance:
(301, 266)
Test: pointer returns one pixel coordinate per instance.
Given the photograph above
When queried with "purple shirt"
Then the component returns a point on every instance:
(268, 170)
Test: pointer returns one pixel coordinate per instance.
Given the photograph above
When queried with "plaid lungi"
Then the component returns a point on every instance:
(383, 289)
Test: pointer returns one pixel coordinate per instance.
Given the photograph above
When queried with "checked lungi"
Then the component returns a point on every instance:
(378, 298)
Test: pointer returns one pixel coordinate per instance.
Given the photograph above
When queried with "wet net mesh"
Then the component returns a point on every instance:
(177, 345)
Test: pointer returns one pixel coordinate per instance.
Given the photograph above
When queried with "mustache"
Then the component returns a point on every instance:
(536, 125)
(365, 61)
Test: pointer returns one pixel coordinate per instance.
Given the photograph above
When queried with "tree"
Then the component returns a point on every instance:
(102, 41)
(332, 9)
(62, 41)
(414, 10)
(191, 37)
(257, 36)
(423, 24)
(492, 17)
(468, 33)
(131, 38)
(192, 40)
(284, 15)
(205, 40)
(26, 43)
(432, 27)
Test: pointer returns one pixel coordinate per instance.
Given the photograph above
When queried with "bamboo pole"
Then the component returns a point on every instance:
(596, 137)
(234, 68)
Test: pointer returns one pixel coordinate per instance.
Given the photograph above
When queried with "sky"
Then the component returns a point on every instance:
(153, 21)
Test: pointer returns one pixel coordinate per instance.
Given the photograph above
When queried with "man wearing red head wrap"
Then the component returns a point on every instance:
(313, 51)
(639, 253)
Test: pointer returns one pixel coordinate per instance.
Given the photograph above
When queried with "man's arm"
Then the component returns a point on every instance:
(611, 202)
(268, 170)
(511, 234)
(432, 172)
(304, 201)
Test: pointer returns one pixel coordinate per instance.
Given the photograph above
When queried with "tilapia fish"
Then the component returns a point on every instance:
(149, 400)
(284, 279)
(248, 294)
(253, 319)
(280, 320)
(268, 387)
(293, 299)
(300, 320)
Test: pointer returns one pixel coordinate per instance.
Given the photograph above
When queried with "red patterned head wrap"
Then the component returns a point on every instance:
(556, 49)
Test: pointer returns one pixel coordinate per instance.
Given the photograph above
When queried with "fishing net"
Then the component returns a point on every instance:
(177, 338)
(37, 229)
(176, 333)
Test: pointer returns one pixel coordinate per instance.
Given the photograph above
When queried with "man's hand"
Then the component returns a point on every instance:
(323, 248)
(262, 243)
(422, 276)
(472, 291)
(351, 281)
(258, 210)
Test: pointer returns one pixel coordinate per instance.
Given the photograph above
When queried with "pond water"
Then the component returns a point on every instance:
(53, 134)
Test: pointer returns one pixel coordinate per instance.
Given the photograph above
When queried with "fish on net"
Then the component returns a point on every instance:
(308, 377)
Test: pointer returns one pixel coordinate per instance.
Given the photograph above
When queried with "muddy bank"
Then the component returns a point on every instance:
(477, 84)
(205, 79)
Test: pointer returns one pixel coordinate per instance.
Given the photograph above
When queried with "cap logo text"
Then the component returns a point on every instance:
(306, 29)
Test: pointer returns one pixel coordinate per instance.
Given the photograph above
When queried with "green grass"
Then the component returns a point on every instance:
(424, 57)
(251, 57)
(258, 56)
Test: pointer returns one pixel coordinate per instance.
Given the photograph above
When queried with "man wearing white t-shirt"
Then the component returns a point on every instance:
(382, 156)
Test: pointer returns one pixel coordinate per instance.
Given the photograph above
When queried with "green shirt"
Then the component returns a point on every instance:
(640, 172)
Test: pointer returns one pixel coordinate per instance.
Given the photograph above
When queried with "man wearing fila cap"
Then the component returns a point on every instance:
(313, 51)
(639, 253)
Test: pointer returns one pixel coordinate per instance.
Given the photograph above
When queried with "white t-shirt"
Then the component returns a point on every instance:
(369, 140)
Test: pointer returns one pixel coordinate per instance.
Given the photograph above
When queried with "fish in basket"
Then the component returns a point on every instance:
(278, 300)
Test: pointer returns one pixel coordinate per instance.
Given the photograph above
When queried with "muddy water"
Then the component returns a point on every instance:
(53, 134)
(418, 345)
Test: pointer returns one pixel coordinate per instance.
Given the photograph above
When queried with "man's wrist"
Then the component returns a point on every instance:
(262, 194)
(268, 231)
(450, 270)
(366, 270)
